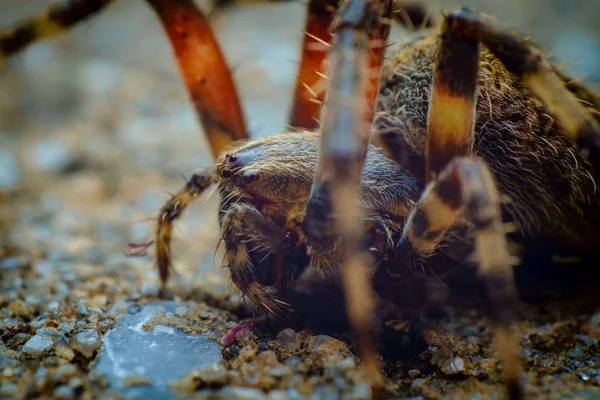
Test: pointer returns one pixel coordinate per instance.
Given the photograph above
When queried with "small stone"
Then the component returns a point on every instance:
(362, 391)
(413, 373)
(75, 382)
(17, 340)
(65, 327)
(35, 299)
(57, 336)
(9, 391)
(453, 366)
(241, 393)
(576, 352)
(64, 372)
(136, 381)
(328, 345)
(53, 306)
(64, 392)
(10, 263)
(10, 172)
(37, 345)
(87, 342)
(64, 352)
(81, 309)
(288, 339)
(181, 310)
(215, 375)
(40, 377)
(20, 308)
(149, 289)
(417, 382)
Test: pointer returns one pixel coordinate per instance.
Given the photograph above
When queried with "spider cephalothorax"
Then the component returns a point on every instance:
(463, 118)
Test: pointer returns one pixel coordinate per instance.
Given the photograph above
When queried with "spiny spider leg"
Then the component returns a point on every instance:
(201, 63)
(52, 22)
(306, 107)
(333, 212)
(458, 184)
(193, 188)
(451, 116)
(245, 227)
(203, 67)
(526, 62)
(466, 187)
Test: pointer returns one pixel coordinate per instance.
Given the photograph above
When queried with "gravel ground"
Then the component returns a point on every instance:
(95, 129)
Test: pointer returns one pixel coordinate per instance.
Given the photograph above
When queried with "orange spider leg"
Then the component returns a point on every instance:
(203, 67)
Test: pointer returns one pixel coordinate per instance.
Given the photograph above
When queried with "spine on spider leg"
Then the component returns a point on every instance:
(333, 210)
(203, 67)
(52, 22)
(308, 95)
(451, 118)
(523, 60)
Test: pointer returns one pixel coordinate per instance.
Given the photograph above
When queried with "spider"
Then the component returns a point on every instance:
(412, 156)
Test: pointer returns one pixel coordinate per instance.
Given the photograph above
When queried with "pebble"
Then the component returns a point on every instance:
(417, 382)
(37, 345)
(10, 173)
(87, 342)
(51, 155)
(288, 339)
(413, 373)
(56, 336)
(8, 390)
(149, 289)
(329, 346)
(20, 308)
(64, 392)
(453, 366)
(64, 372)
(362, 391)
(241, 393)
(215, 375)
(10, 263)
(17, 340)
(64, 352)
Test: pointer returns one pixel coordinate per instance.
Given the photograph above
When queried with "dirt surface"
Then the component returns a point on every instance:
(95, 129)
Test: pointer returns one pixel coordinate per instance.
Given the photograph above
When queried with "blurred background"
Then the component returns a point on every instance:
(96, 128)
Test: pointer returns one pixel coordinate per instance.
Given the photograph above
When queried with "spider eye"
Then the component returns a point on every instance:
(226, 174)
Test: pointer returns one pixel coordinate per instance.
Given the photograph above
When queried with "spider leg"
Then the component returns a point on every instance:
(201, 63)
(312, 69)
(244, 226)
(172, 210)
(354, 72)
(451, 116)
(204, 69)
(52, 22)
(462, 185)
(465, 189)
(523, 60)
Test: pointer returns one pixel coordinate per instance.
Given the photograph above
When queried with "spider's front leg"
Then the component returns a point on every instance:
(246, 231)
(361, 28)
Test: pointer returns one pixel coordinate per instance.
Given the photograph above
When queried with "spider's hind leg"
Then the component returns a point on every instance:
(52, 22)
(465, 192)
(311, 83)
(526, 62)
(208, 80)
(461, 190)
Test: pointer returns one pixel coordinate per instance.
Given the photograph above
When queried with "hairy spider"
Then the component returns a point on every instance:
(464, 115)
